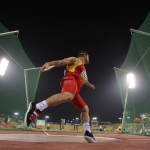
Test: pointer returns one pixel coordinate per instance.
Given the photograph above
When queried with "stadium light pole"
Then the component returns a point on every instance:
(46, 118)
(130, 84)
(16, 114)
(120, 119)
(128, 119)
(3, 66)
(77, 120)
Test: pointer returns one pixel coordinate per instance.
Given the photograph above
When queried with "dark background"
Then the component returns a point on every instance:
(55, 30)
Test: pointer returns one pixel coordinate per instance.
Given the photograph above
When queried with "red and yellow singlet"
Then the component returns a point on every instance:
(78, 72)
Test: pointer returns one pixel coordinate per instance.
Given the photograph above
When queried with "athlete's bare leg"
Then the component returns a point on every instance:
(34, 110)
(84, 116)
(59, 99)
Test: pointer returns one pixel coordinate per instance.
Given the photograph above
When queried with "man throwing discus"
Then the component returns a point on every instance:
(74, 78)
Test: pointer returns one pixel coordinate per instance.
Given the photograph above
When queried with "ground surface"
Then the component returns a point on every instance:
(23, 140)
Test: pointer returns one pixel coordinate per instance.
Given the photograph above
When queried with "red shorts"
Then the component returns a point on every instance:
(70, 85)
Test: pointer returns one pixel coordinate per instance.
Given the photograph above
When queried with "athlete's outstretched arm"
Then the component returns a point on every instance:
(60, 63)
(89, 84)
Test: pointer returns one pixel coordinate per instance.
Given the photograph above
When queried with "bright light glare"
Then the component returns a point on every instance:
(94, 118)
(16, 113)
(3, 66)
(46, 116)
(130, 80)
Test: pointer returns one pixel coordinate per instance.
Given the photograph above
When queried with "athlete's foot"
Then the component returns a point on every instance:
(89, 137)
(31, 114)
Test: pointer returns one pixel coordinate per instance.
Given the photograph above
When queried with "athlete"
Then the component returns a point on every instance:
(74, 78)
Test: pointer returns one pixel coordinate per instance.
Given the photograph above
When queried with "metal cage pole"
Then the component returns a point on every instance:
(26, 88)
(33, 68)
(140, 32)
(123, 119)
(125, 104)
(11, 32)
(26, 84)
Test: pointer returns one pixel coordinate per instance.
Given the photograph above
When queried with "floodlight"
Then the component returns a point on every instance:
(130, 80)
(3, 66)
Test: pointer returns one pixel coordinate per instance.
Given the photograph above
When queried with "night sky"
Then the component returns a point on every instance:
(56, 30)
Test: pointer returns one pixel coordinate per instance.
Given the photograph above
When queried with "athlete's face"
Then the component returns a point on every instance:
(86, 59)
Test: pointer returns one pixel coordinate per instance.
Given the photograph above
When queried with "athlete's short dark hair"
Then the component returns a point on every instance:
(81, 53)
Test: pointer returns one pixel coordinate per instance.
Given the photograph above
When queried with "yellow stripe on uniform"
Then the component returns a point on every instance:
(73, 67)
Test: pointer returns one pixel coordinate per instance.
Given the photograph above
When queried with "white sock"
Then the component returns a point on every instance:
(41, 106)
(86, 126)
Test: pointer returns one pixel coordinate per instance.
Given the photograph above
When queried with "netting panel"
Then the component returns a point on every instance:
(12, 84)
(137, 61)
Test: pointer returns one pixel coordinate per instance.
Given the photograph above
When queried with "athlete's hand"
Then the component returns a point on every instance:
(45, 66)
(89, 85)
(92, 86)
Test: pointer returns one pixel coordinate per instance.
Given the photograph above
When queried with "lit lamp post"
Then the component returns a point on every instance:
(3, 66)
(47, 125)
(77, 120)
(120, 123)
(94, 122)
(120, 119)
(16, 114)
(46, 118)
(130, 84)
(128, 119)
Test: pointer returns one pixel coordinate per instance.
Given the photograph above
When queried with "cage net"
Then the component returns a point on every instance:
(136, 101)
(13, 94)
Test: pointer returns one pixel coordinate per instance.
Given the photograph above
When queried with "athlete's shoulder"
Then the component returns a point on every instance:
(72, 60)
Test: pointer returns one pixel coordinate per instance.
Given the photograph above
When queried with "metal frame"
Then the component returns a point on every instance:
(26, 83)
(140, 32)
(11, 32)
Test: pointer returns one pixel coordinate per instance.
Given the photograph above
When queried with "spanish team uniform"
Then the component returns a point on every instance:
(73, 80)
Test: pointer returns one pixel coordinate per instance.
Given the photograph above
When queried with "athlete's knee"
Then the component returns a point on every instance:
(85, 109)
(67, 96)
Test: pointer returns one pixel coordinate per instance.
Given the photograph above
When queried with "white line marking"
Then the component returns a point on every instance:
(74, 135)
(139, 139)
(45, 132)
(66, 136)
